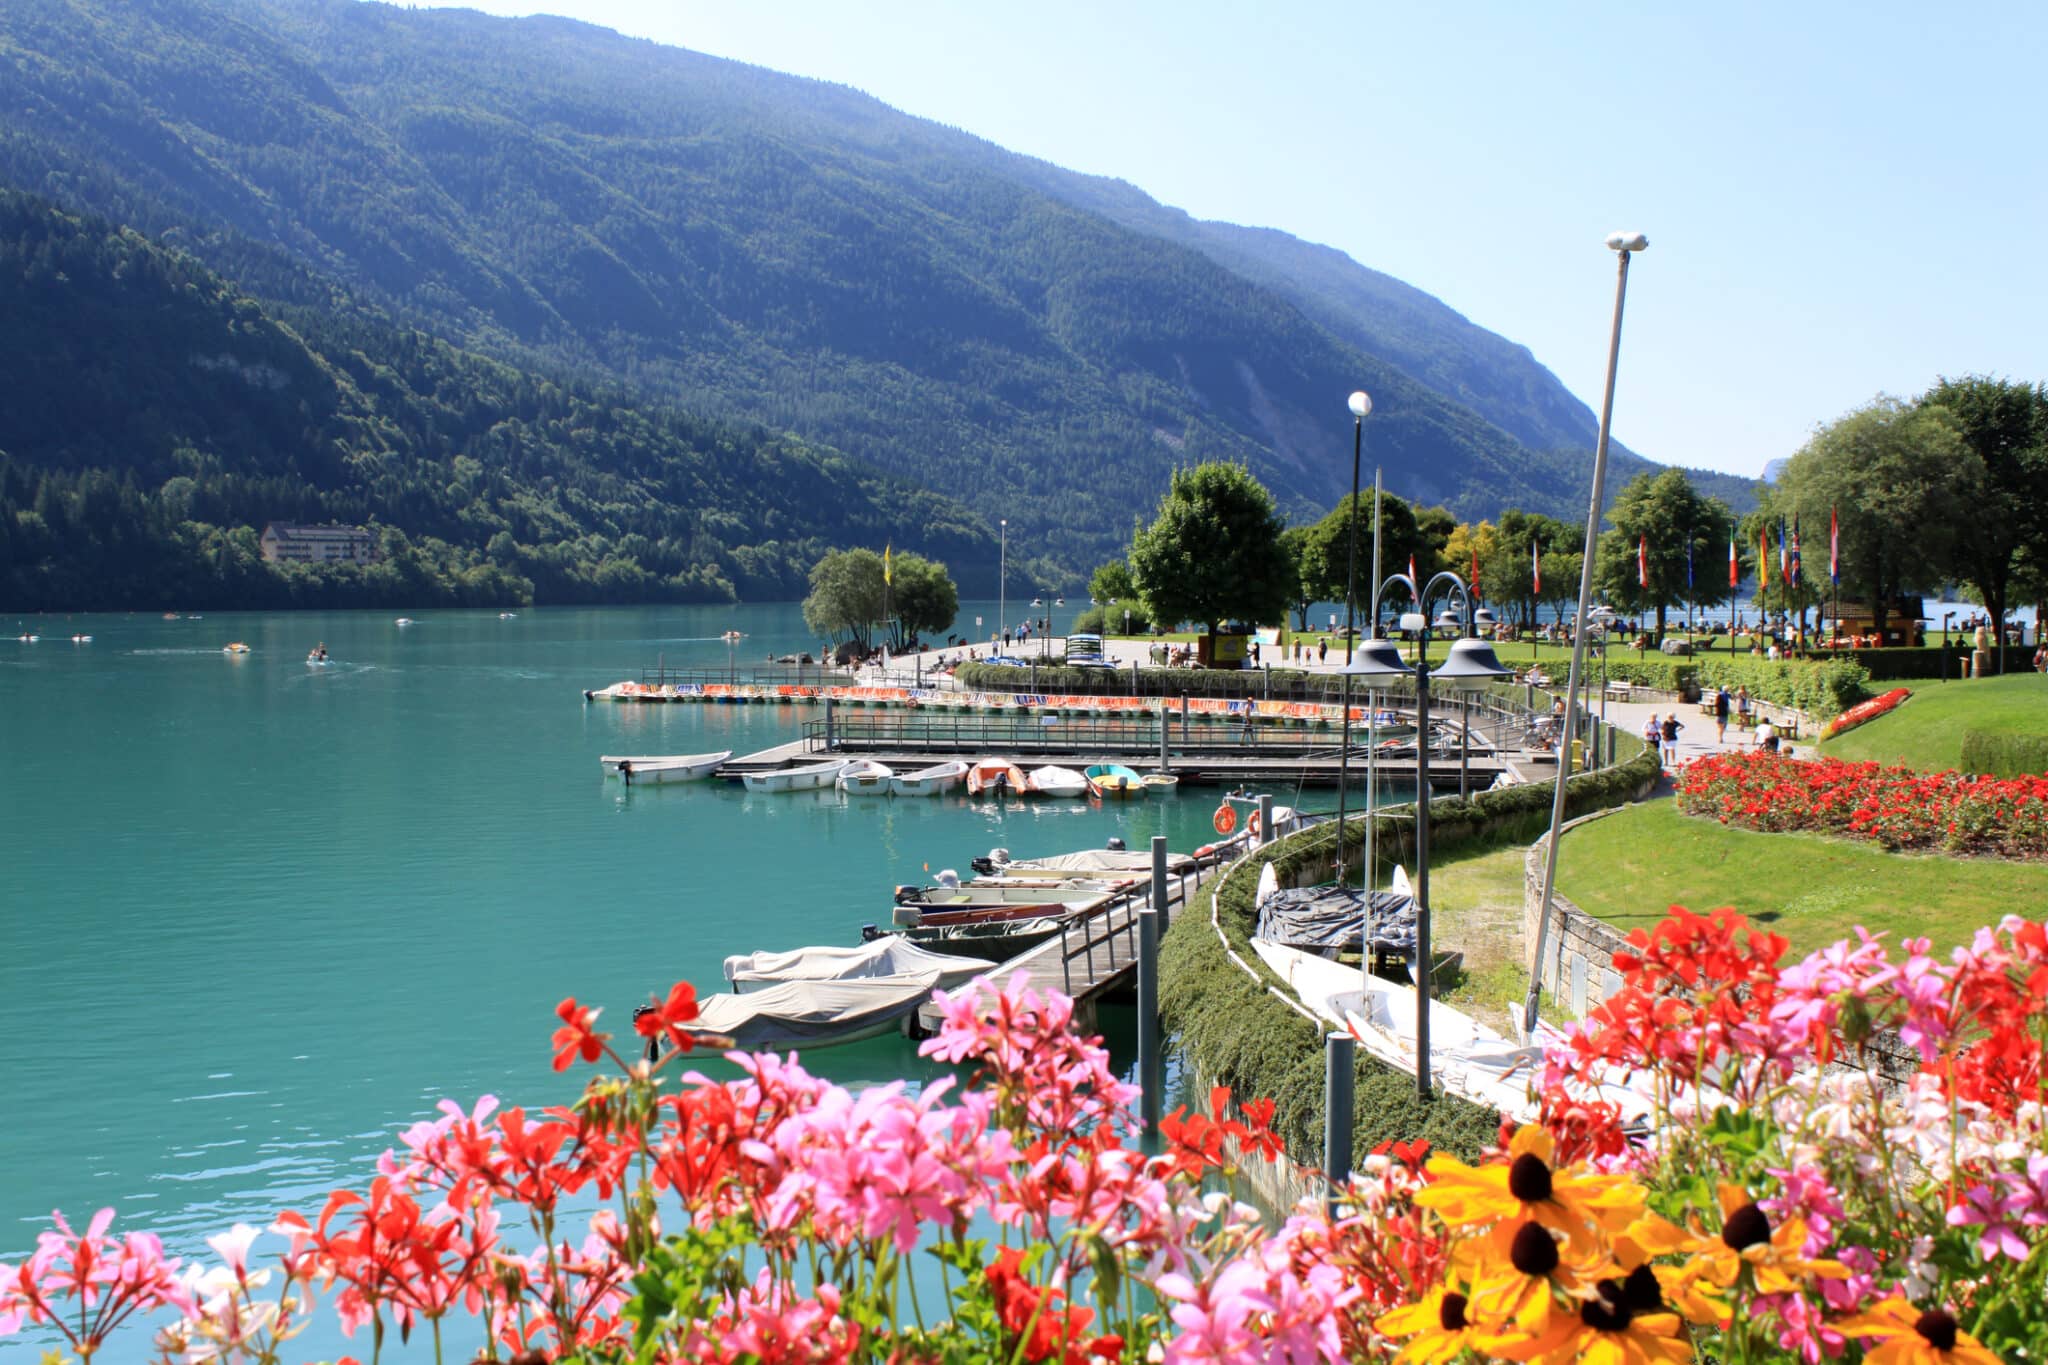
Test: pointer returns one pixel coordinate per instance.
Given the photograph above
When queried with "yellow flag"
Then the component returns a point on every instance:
(885, 561)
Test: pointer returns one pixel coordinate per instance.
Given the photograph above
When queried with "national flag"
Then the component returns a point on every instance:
(1642, 561)
(1834, 549)
(1763, 558)
(1411, 573)
(1793, 570)
(1784, 563)
(885, 561)
(1535, 568)
(1734, 565)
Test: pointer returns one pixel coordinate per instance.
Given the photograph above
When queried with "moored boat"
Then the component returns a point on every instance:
(1161, 784)
(986, 942)
(865, 777)
(636, 770)
(993, 776)
(1115, 782)
(940, 777)
(987, 903)
(803, 777)
(1053, 781)
(889, 955)
(809, 1014)
(404, 621)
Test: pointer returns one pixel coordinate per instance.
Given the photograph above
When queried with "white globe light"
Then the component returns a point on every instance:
(1627, 241)
(1361, 403)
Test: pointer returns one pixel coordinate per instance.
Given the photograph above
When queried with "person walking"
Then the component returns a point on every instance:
(1671, 729)
(1653, 732)
(1323, 650)
(1721, 708)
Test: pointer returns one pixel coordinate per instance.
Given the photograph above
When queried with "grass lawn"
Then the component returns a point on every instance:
(1475, 897)
(1927, 732)
(1628, 867)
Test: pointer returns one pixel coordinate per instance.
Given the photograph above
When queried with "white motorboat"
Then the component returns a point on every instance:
(81, 639)
(649, 768)
(865, 777)
(803, 777)
(941, 777)
(507, 615)
(810, 1013)
(1087, 862)
(1160, 783)
(404, 621)
(1058, 782)
(889, 955)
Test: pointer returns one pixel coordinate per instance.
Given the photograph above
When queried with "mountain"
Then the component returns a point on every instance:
(155, 416)
(753, 246)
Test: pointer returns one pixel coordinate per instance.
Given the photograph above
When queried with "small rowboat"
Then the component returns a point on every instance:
(236, 648)
(1115, 782)
(1058, 782)
(638, 770)
(803, 778)
(942, 777)
(992, 776)
(865, 777)
(1160, 784)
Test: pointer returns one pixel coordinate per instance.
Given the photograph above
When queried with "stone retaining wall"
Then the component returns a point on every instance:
(1579, 967)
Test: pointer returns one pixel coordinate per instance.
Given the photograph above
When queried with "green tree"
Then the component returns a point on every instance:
(1214, 552)
(922, 598)
(1895, 473)
(1294, 544)
(845, 601)
(1661, 518)
(1326, 549)
(1111, 582)
(2006, 425)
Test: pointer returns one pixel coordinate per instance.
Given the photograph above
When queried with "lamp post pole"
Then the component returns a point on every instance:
(1626, 245)
(1422, 960)
(1361, 404)
(1003, 576)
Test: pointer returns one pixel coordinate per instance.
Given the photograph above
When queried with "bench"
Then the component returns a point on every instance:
(1619, 691)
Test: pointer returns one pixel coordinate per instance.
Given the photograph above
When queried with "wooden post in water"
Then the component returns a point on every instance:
(1165, 729)
(828, 724)
(1151, 1066)
(1159, 892)
(1340, 1069)
(1183, 722)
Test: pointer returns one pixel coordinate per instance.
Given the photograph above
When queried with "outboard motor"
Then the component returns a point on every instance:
(906, 894)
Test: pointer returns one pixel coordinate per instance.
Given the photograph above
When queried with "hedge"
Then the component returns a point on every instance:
(2001, 753)
(1234, 1032)
(1113, 618)
(1819, 687)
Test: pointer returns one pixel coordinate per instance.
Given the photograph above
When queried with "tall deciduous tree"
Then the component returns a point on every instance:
(1111, 582)
(1895, 473)
(1657, 520)
(1214, 552)
(921, 598)
(1326, 551)
(2006, 425)
(845, 603)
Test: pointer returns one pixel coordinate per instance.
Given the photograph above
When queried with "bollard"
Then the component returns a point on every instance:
(1265, 819)
(828, 724)
(1151, 1069)
(1159, 893)
(1340, 1069)
(1165, 729)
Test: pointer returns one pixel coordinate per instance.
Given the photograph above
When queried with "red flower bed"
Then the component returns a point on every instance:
(1862, 711)
(1895, 807)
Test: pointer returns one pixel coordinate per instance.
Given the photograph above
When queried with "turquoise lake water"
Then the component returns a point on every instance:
(258, 916)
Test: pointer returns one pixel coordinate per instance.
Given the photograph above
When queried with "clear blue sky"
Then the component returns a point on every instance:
(1841, 199)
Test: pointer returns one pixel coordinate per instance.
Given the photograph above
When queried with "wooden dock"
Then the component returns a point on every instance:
(1096, 957)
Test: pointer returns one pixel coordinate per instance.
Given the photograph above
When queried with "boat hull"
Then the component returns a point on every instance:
(794, 779)
(655, 769)
(932, 781)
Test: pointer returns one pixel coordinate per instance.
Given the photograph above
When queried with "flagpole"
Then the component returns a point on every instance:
(1372, 722)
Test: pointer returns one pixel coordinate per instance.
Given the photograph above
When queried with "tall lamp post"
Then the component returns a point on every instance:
(1003, 577)
(1472, 663)
(1361, 404)
(1625, 245)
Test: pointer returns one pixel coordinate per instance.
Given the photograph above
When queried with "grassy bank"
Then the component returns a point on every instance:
(1927, 732)
(1630, 867)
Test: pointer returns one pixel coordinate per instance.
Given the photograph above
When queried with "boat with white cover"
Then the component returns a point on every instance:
(641, 769)
(1087, 862)
(1054, 781)
(984, 943)
(865, 777)
(891, 955)
(801, 778)
(808, 1014)
(940, 777)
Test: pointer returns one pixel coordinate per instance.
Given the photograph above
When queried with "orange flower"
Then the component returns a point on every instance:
(1747, 1241)
(1442, 1327)
(1912, 1337)
(1607, 1330)
(1525, 1188)
(1517, 1273)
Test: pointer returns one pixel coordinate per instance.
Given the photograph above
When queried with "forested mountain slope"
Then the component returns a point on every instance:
(752, 245)
(155, 418)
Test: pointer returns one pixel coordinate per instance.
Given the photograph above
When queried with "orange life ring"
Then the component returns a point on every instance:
(1226, 818)
(1253, 824)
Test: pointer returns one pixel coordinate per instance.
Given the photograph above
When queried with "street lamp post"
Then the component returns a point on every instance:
(1626, 245)
(1003, 577)
(1471, 662)
(1360, 404)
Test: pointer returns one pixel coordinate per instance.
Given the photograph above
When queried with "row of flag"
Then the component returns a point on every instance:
(1788, 557)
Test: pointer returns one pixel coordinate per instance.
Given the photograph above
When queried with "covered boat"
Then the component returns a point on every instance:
(865, 777)
(889, 955)
(940, 777)
(1324, 919)
(1088, 862)
(1054, 781)
(803, 777)
(806, 1014)
(642, 769)
(1115, 782)
(993, 776)
(989, 902)
(985, 943)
